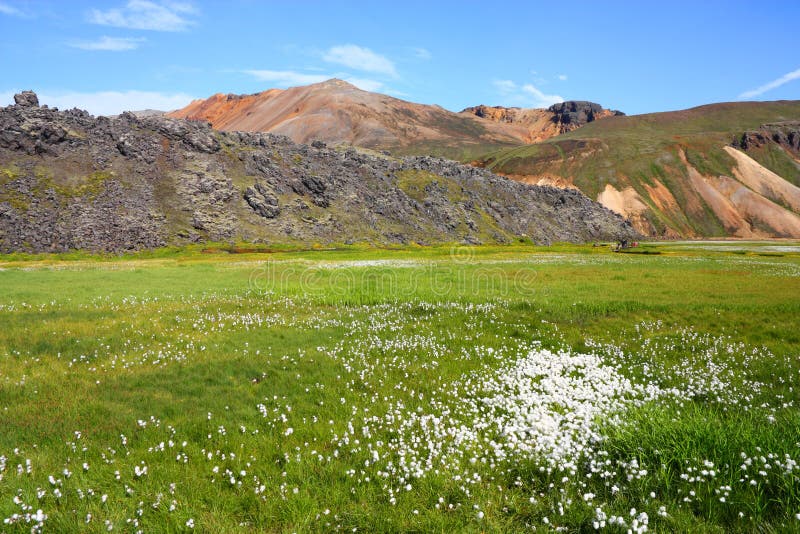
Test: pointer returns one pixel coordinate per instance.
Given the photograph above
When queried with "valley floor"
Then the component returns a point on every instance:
(446, 389)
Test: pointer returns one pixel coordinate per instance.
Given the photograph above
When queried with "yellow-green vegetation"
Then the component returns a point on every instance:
(458, 151)
(416, 184)
(447, 389)
(69, 185)
(9, 195)
(9, 173)
(88, 187)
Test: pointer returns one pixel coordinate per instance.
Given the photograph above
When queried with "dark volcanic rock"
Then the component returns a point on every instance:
(72, 181)
(785, 134)
(262, 200)
(579, 112)
(26, 99)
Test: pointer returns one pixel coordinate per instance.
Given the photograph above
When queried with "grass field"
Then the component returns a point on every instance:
(488, 389)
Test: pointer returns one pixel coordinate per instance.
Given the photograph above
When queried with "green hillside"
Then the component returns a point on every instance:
(646, 152)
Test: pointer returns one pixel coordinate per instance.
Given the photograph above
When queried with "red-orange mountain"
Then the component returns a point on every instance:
(338, 112)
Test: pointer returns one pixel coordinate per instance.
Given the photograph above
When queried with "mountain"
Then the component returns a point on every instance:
(338, 112)
(69, 180)
(718, 170)
(532, 125)
(730, 169)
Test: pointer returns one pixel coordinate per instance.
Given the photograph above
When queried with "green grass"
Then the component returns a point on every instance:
(196, 363)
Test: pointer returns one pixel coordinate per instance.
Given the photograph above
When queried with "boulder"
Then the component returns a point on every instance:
(27, 99)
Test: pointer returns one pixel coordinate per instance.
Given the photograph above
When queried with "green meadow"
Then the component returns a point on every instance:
(427, 389)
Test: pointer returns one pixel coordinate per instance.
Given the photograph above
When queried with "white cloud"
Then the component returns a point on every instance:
(541, 100)
(113, 44)
(505, 87)
(287, 78)
(562, 77)
(290, 78)
(360, 58)
(108, 102)
(6, 9)
(365, 84)
(527, 95)
(788, 77)
(146, 15)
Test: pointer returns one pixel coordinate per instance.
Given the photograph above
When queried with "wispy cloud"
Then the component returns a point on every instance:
(504, 87)
(7, 9)
(562, 77)
(147, 15)
(365, 83)
(112, 44)
(291, 78)
(774, 84)
(360, 58)
(109, 102)
(527, 95)
(422, 53)
(287, 78)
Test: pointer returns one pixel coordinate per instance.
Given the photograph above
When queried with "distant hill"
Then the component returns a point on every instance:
(69, 180)
(730, 169)
(532, 124)
(338, 112)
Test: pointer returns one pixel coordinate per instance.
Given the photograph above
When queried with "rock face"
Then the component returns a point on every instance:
(72, 181)
(575, 113)
(784, 134)
(494, 113)
(26, 99)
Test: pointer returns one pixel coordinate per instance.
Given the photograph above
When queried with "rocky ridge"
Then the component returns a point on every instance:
(573, 114)
(785, 134)
(541, 124)
(338, 112)
(69, 180)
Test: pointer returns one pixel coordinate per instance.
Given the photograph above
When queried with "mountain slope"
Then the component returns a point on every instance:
(678, 173)
(72, 181)
(338, 112)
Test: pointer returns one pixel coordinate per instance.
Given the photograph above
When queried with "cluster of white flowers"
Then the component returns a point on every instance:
(515, 403)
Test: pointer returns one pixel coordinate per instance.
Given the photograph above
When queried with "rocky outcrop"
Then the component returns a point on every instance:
(534, 125)
(575, 113)
(26, 99)
(262, 200)
(784, 134)
(494, 113)
(72, 181)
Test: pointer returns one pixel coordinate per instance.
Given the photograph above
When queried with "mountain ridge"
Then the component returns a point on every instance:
(69, 180)
(335, 111)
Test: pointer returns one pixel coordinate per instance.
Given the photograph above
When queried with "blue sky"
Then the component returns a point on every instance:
(639, 57)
